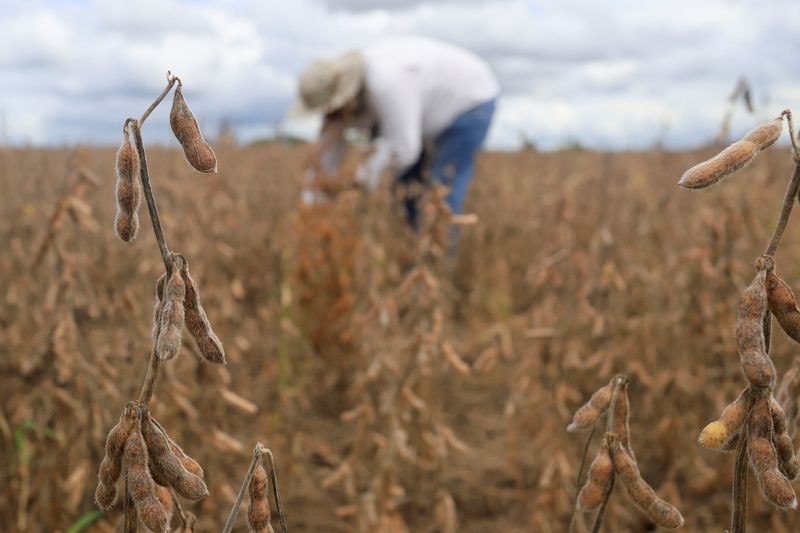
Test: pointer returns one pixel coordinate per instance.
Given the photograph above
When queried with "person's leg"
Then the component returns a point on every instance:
(454, 157)
(410, 183)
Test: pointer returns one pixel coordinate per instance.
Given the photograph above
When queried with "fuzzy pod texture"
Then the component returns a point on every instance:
(258, 517)
(765, 134)
(599, 481)
(764, 458)
(788, 463)
(753, 308)
(733, 158)
(165, 499)
(197, 151)
(141, 487)
(587, 414)
(656, 509)
(188, 463)
(168, 466)
(716, 434)
(783, 305)
(128, 190)
(172, 316)
(197, 322)
(621, 416)
(111, 466)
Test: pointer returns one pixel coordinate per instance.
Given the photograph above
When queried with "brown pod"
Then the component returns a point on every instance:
(258, 517)
(783, 305)
(157, 307)
(765, 134)
(718, 433)
(197, 322)
(172, 316)
(165, 499)
(141, 487)
(587, 415)
(733, 158)
(599, 481)
(764, 459)
(788, 463)
(128, 189)
(111, 466)
(756, 364)
(188, 463)
(621, 414)
(197, 151)
(167, 465)
(656, 509)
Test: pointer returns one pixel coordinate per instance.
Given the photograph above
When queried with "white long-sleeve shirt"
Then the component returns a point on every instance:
(415, 89)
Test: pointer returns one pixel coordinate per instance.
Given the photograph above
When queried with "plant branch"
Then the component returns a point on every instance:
(788, 115)
(601, 513)
(786, 210)
(580, 475)
(274, 475)
(129, 519)
(258, 451)
(148, 194)
(170, 82)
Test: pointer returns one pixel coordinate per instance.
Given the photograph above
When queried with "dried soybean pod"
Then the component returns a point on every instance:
(157, 307)
(656, 509)
(621, 415)
(141, 487)
(188, 463)
(587, 415)
(258, 517)
(167, 465)
(763, 457)
(165, 498)
(756, 364)
(765, 134)
(128, 189)
(733, 158)
(197, 322)
(719, 432)
(599, 480)
(783, 305)
(111, 466)
(788, 463)
(172, 316)
(197, 151)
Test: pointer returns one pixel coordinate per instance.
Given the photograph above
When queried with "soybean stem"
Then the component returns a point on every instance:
(258, 451)
(580, 475)
(170, 82)
(274, 475)
(786, 211)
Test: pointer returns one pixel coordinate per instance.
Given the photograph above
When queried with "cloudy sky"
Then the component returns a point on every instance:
(610, 74)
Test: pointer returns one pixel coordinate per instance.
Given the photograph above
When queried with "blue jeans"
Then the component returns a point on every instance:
(452, 162)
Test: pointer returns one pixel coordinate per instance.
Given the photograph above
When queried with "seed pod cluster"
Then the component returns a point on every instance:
(172, 316)
(656, 509)
(764, 458)
(166, 466)
(753, 308)
(718, 434)
(111, 466)
(128, 189)
(141, 487)
(587, 414)
(197, 151)
(616, 456)
(599, 481)
(733, 158)
(258, 515)
(197, 321)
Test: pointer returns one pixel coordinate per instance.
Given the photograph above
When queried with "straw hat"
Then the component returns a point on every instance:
(328, 84)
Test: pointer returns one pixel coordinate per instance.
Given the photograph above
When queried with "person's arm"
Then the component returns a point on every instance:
(398, 111)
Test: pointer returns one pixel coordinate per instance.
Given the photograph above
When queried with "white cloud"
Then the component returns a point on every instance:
(606, 74)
